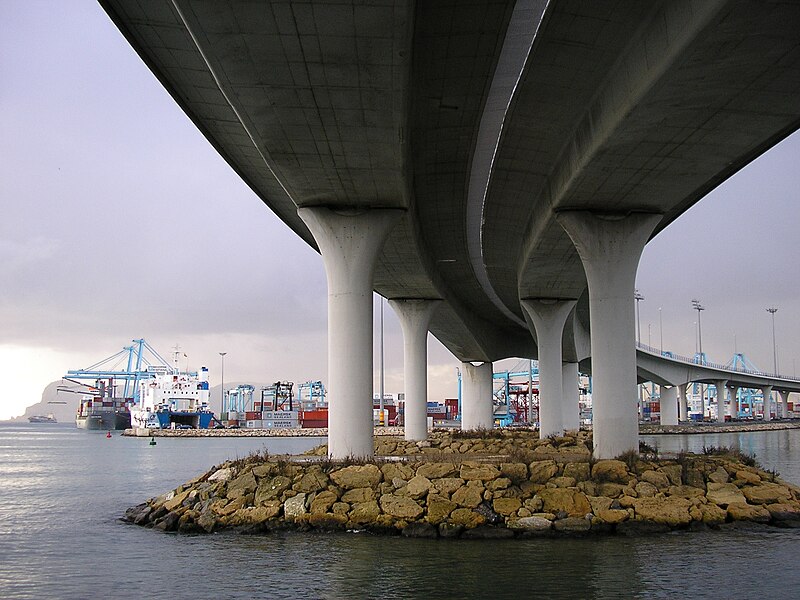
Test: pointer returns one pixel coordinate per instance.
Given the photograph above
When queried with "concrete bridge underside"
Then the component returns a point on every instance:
(498, 157)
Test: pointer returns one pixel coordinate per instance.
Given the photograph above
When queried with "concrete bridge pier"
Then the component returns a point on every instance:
(784, 403)
(476, 396)
(549, 316)
(571, 403)
(683, 402)
(766, 391)
(734, 401)
(349, 242)
(669, 405)
(610, 247)
(415, 317)
(721, 385)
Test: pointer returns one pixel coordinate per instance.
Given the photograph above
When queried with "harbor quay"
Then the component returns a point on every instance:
(485, 484)
(646, 429)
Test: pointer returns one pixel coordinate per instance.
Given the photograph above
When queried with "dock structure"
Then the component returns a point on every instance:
(491, 156)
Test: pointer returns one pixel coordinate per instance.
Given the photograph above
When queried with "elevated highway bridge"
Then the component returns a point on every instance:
(493, 167)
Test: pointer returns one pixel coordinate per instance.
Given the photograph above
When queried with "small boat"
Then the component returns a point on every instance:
(42, 419)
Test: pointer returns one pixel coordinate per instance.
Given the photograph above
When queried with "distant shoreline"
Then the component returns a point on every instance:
(646, 429)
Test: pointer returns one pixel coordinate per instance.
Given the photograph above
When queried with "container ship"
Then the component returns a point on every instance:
(102, 410)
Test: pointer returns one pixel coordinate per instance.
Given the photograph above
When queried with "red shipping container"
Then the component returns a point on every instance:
(252, 415)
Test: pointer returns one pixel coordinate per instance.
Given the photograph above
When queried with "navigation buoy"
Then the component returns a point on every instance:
(152, 441)
(108, 435)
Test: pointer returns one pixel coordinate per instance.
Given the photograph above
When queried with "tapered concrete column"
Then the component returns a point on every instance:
(734, 411)
(669, 405)
(784, 403)
(476, 396)
(548, 317)
(610, 248)
(721, 385)
(415, 316)
(571, 403)
(349, 242)
(683, 402)
(766, 391)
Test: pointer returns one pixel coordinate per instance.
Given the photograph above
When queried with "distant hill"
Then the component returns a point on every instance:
(64, 411)
(63, 406)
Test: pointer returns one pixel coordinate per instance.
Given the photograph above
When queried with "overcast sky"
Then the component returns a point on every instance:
(120, 221)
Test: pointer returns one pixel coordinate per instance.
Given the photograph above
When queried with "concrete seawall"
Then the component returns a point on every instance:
(494, 485)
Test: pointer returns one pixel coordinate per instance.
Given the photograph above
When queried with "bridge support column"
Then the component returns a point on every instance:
(683, 402)
(476, 396)
(734, 411)
(784, 403)
(548, 317)
(669, 405)
(415, 316)
(610, 247)
(349, 242)
(766, 391)
(571, 403)
(721, 385)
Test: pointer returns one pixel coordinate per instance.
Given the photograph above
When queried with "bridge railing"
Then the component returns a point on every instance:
(695, 361)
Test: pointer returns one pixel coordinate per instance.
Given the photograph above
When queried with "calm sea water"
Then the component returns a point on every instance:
(62, 491)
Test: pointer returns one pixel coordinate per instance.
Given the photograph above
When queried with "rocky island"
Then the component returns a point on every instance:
(478, 485)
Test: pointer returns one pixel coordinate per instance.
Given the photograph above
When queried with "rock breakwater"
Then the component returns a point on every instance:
(491, 485)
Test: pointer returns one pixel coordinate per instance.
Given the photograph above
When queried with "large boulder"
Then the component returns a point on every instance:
(418, 487)
(447, 485)
(471, 471)
(570, 501)
(241, 486)
(656, 478)
(468, 496)
(672, 511)
(572, 525)
(686, 491)
(579, 471)
(221, 474)
(436, 470)
(323, 502)
(357, 476)
(766, 493)
(295, 507)
(357, 495)
(719, 476)
(724, 494)
(313, 481)
(748, 512)
(542, 471)
(516, 472)
(466, 518)
(614, 471)
(270, 489)
(531, 524)
(439, 509)
(612, 515)
(364, 513)
(506, 506)
(400, 506)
